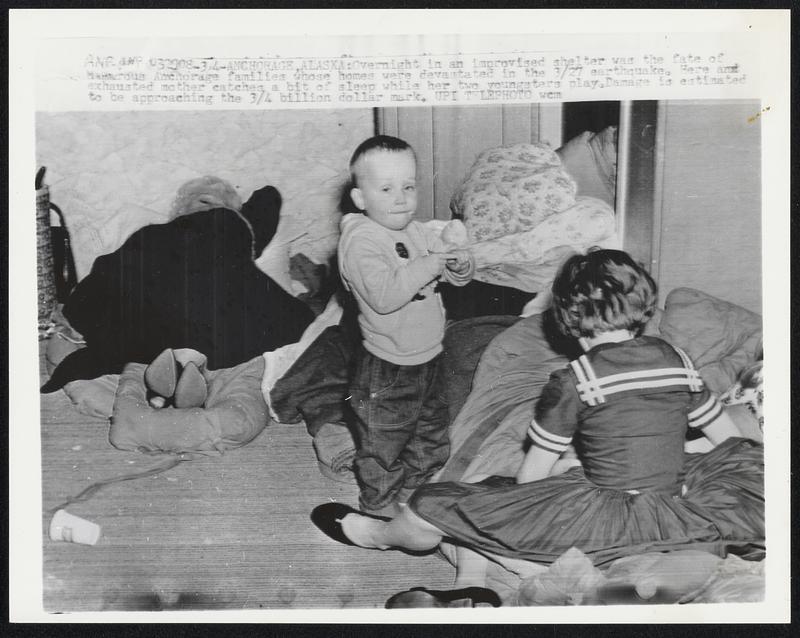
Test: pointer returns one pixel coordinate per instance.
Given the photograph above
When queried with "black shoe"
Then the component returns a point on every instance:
(328, 518)
(422, 597)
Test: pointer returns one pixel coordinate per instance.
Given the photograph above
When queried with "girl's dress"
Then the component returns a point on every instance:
(625, 406)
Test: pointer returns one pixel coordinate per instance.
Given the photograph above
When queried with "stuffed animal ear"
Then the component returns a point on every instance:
(262, 211)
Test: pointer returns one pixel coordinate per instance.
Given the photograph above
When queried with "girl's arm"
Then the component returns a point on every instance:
(552, 428)
(537, 464)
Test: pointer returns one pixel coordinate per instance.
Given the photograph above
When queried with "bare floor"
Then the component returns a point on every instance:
(225, 532)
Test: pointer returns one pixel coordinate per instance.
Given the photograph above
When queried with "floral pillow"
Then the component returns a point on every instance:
(512, 189)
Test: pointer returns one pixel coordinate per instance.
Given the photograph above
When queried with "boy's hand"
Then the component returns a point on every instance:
(459, 263)
(438, 261)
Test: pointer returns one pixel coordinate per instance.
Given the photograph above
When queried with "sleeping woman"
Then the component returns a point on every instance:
(189, 283)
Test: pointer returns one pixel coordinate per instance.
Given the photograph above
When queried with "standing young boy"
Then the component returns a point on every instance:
(392, 265)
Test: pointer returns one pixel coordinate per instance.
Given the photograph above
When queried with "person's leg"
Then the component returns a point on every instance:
(406, 530)
(385, 399)
(429, 445)
(470, 568)
(335, 449)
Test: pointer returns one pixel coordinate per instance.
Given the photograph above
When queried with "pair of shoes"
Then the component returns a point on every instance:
(185, 385)
(423, 597)
(336, 452)
(328, 518)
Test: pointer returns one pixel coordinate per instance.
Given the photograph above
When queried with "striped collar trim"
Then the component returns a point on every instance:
(593, 390)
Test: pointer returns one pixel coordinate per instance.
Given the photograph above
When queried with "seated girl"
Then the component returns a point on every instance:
(625, 405)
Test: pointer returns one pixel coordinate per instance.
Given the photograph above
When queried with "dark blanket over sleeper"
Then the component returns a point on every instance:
(189, 283)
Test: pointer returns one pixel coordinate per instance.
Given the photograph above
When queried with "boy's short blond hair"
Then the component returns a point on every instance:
(378, 142)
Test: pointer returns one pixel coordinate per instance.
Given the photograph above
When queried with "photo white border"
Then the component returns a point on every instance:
(27, 28)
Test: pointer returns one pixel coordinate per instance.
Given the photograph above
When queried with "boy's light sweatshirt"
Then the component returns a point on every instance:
(395, 326)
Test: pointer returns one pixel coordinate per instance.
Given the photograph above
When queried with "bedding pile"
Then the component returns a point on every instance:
(523, 215)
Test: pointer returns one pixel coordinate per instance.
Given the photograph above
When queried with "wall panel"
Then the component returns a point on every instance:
(459, 136)
(114, 172)
(710, 233)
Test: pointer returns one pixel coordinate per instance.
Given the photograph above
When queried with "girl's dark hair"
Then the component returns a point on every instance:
(378, 142)
(601, 291)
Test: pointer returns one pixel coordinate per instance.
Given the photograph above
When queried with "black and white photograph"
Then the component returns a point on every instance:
(358, 325)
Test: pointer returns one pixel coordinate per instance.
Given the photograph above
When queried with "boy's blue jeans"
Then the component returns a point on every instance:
(400, 426)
